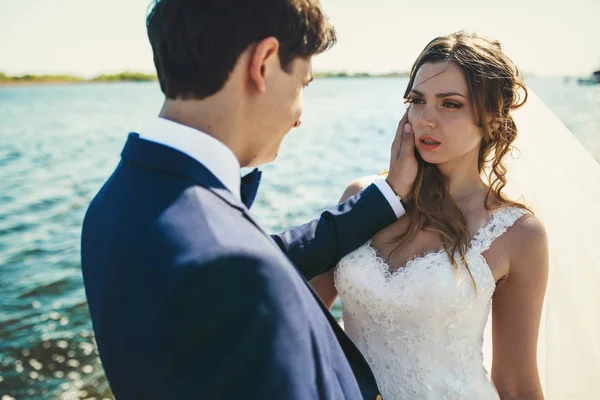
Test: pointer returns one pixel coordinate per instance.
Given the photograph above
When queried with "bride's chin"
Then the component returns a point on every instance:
(430, 158)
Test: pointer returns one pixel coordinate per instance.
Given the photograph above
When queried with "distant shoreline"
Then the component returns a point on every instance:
(8, 84)
(16, 84)
(127, 76)
(29, 80)
(43, 80)
(343, 75)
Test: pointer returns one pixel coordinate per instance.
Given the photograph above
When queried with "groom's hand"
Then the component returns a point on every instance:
(403, 164)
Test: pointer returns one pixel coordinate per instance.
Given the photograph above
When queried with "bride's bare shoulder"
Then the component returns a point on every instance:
(528, 239)
(528, 228)
(357, 185)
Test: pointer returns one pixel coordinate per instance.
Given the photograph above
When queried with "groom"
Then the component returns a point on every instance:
(189, 297)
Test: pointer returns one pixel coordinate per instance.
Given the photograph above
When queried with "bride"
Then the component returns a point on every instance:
(416, 298)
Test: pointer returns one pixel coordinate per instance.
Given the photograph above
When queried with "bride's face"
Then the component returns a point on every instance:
(442, 115)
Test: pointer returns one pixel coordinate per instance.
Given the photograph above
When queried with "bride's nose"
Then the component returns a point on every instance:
(426, 118)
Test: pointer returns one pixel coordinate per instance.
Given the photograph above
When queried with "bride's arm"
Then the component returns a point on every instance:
(516, 313)
(324, 284)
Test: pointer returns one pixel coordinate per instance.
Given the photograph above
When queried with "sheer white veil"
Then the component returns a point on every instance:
(553, 174)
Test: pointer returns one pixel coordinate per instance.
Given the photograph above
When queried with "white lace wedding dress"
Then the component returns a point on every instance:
(421, 326)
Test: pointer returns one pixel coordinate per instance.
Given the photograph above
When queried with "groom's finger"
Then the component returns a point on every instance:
(408, 142)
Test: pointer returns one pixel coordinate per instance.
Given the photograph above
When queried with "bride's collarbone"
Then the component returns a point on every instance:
(396, 255)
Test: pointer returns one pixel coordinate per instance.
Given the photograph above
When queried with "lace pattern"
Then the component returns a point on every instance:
(421, 326)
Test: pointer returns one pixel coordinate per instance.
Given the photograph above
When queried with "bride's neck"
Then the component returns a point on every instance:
(463, 177)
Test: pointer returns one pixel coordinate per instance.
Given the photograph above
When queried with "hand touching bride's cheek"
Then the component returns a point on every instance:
(442, 115)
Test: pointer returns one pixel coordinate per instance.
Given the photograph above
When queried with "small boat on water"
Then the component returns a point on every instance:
(593, 80)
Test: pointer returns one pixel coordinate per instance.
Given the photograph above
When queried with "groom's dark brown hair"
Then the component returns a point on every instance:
(196, 43)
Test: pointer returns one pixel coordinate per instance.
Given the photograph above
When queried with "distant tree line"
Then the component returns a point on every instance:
(125, 76)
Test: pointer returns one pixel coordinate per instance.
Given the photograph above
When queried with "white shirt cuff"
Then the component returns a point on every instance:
(391, 197)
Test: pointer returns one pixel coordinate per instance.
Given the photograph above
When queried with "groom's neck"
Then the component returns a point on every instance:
(211, 117)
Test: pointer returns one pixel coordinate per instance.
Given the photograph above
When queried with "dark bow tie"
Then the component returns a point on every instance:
(249, 187)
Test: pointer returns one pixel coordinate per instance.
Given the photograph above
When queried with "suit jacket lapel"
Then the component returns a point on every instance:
(159, 157)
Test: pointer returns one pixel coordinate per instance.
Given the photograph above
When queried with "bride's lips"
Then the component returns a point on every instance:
(428, 143)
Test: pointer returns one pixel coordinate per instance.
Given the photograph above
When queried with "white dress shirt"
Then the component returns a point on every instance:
(218, 158)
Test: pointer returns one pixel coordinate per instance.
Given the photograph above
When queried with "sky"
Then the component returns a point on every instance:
(86, 38)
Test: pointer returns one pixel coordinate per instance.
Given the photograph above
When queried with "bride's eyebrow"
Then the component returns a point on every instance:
(439, 95)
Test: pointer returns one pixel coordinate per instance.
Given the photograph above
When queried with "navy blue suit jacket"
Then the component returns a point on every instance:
(191, 299)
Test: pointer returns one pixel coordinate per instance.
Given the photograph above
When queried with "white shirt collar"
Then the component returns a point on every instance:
(208, 151)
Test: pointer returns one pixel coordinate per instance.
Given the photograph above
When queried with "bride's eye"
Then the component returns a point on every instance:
(451, 104)
(414, 100)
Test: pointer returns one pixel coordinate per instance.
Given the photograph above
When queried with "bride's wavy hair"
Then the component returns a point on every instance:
(496, 88)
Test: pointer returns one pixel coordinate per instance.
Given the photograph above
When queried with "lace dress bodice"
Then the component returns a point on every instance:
(421, 326)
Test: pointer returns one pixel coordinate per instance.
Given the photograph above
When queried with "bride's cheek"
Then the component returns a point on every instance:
(412, 114)
(458, 124)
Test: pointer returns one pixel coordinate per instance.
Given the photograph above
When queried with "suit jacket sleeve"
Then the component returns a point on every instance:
(245, 339)
(319, 245)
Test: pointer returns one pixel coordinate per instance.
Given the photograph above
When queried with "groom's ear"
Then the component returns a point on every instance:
(264, 57)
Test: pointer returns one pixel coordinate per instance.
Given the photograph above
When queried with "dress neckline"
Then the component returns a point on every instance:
(389, 273)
